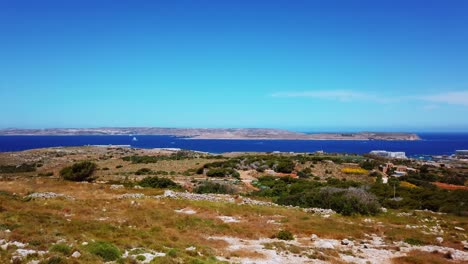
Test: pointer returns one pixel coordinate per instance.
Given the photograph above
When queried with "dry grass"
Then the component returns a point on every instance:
(419, 257)
(243, 253)
(150, 223)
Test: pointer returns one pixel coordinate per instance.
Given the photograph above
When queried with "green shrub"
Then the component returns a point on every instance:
(47, 174)
(222, 172)
(140, 258)
(285, 166)
(105, 250)
(156, 182)
(180, 155)
(285, 235)
(143, 171)
(17, 169)
(81, 171)
(61, 248)
(344, 201)
(369, 164)
(211, 187)
(172, 253)
(414, 241)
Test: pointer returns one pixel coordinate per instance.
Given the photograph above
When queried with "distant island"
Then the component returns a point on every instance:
(213, 133)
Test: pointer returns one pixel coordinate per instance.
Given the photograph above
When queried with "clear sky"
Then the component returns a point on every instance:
(305, 65)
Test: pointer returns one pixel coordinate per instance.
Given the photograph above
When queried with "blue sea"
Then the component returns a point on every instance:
(431, 144)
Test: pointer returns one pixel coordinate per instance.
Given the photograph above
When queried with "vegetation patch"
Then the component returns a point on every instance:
(17, 169)
(61, 248)
(359, 171)
(414, 241)
(105, 250)
(212, 187)
(81, 171)
(157, 182)
(180, 155)
(284, 235)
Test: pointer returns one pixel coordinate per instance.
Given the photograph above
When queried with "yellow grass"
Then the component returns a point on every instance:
(407, 184)
(354, 171)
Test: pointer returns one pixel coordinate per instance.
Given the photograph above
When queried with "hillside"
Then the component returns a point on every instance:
(164, 206)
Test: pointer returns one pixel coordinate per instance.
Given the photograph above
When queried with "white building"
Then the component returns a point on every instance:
(389, 154)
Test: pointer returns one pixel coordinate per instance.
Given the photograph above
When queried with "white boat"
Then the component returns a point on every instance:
(134, 139)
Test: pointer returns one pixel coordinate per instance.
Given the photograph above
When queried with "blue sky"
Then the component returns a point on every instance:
(303, 65)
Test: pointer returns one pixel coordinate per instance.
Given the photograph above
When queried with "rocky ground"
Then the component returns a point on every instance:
(248, 228)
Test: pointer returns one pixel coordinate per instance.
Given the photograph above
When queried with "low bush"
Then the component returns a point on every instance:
(345, 201)
(105, 250)
(222, 172)
(81, 171)
(143, 171)
(414, 241)
(284, 166)
(211, 187)
(285, 235)
(156, 182)
(47, 174)
(180, 155)
(17, 169)
(61, 248)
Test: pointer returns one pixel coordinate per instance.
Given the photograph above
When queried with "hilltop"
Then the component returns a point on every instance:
(214, 133)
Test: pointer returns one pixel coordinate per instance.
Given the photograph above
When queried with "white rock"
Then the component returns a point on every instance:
(22, 253)
(186, 211)
(345, 242)
(84, 243)
(169, 193)
(459, 228)
(48, 195)
(192, 248)
(116, 186)
(131, 195)
(324, 244)
(465, 244)
(439, 240)
(228, 219)
(313, 237)
(76, 254)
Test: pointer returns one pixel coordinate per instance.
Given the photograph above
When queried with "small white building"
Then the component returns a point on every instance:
(389, 154)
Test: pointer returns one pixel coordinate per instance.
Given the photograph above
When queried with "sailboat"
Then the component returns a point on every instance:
(134, 139)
